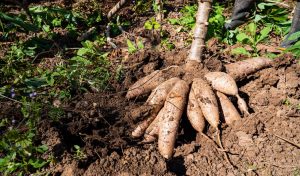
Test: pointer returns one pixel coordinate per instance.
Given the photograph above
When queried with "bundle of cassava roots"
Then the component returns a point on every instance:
(179, 88)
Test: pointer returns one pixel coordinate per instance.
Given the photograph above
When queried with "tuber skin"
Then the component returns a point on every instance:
(207, 100)
(229, 111)
(224, 83)
(156, 99)
(239, 70)
(195, 114)
(150, 82)
(170, 101)
(174, 107)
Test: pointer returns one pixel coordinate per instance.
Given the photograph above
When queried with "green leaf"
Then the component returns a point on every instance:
(240, 51)
(295, 49)
(148, 25)
(37, 163)
(263, 5)
(83, 51)
(42, 148)
(131, 47)
(19, 22)
(56, 22)
(151, 24)
(3, 123)
(77, 147)
(36, 82)
(294, 36)
(264, 33)
(140, 44)
(46, 28)
(156, 25)
(257, 18)
(24, 143)
(252, 28)
(81, 61)
(173, 21)
(241, 37)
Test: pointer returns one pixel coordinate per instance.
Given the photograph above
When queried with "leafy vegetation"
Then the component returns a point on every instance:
(269, 20)
(38, 68)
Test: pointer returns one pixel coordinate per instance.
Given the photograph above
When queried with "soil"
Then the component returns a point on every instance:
(262, 143)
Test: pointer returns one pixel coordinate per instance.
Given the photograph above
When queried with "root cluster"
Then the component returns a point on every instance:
(170, 94)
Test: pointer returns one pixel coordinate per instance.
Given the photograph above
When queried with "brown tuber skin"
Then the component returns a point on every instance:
(229, 111)
(149, 82)
(224, 83)
(156, 99)
(167, 111)
(207, 101)
(174, 107)
(195, 114)
(241, 69)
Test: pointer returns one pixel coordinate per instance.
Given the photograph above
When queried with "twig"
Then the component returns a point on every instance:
(116, 8)
(225, 153)
(87, 34)
(108, 39)
(286, 140)
(212, 141)
(10, 98)
(43, 52)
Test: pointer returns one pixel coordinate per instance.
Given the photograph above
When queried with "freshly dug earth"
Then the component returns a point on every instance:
(101, 124)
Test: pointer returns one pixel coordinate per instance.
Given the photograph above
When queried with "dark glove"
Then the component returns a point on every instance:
(294, 28)
(240, 13)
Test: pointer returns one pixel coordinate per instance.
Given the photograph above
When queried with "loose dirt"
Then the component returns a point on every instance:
(263, 143)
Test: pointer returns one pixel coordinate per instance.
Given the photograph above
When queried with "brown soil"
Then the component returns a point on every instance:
(263, 143)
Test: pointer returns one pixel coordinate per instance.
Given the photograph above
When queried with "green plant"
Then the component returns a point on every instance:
(132, 47)
(251, 37)
(269, 14)
(295, 48)
(46, 18)
(187, 19)
(296, 172)
(216, 22)
(141, 6)
(55, 113)
(20, 154)
(287, 102)
(79, 154)
(151, 24)
(119, 73)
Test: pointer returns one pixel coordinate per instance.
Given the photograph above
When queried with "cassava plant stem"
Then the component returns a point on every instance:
(198, 44)
(116, 8)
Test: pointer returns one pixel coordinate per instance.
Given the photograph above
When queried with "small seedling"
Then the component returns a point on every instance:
(79, 154)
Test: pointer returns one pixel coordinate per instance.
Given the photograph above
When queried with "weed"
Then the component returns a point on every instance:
(269, 14)
(251, 37)
(151, 24)
(24, 81)
(187, 20)
(216, 22)
(134, 47)
(295, 48)
(79, 154)
(287, 102)
(21, 153)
